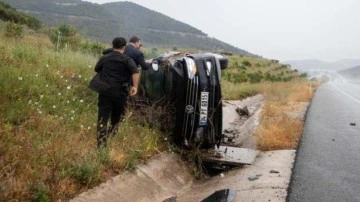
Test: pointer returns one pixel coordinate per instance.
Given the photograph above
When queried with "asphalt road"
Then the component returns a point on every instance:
(327, 165)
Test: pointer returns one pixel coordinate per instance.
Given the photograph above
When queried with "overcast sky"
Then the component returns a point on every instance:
(327, 30)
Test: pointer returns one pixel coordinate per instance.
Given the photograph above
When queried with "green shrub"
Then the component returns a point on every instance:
(13, 30)
(65, 36)
(255, 77)
(246, 63)
(87, 172)
(40, 193)
(132, 160)
(93, 47)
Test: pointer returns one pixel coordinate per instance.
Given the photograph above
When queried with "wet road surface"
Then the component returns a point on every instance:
(327, 165)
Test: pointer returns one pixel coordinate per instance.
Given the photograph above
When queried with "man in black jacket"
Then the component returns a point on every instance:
(133, 51)
(116, 69)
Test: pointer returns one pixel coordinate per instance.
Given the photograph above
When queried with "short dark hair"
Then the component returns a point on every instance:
(134, 39)
(118, 42)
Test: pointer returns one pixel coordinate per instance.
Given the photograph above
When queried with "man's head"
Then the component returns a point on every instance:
(136, 41)
(119, 43)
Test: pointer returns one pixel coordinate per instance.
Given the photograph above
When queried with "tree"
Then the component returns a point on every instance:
(65, 36)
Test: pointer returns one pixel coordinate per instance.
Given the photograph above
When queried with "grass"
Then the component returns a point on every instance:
(283, 98)
(279, 129)
(47, 127)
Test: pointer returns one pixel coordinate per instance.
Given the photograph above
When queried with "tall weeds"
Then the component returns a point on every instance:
(47, 125)
(283, 112)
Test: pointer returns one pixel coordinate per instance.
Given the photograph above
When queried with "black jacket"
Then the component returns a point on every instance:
(137, 56)
(116, 70)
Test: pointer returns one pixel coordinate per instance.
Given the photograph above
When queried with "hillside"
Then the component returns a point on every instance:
(313, 64)
(104, 21)
(352, 73)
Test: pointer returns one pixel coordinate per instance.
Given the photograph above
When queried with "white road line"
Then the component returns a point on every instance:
(347, 94)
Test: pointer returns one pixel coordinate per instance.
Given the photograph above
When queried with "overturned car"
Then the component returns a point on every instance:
(191, 83)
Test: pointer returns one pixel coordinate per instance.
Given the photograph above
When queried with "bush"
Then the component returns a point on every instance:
(87, 173)
(91, 47)
(65, 36)
(40, 193)
(255, 77)
(246, 63)
(303, 75)
(13, 30)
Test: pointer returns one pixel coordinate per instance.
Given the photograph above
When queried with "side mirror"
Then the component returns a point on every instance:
(155, 66)
(223, 63)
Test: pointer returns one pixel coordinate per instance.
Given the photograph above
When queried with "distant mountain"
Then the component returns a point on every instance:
(352, 73)
(105, 21)
(313, 64)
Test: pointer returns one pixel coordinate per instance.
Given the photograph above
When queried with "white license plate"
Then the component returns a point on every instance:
(204, 108)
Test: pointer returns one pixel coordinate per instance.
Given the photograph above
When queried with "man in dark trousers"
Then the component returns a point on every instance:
(134, 52)
(117, 69)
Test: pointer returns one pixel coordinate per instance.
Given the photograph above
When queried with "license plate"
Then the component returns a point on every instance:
(204, 102)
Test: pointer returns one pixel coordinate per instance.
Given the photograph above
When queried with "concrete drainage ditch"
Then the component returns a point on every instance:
(263, 176)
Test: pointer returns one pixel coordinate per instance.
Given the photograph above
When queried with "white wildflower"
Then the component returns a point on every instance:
(59, 94)
(54, 106)
(20, 78)
(81, 101)
(69, 87)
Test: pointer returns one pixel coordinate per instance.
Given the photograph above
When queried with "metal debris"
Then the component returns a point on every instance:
(224, 195)
(171, 199)
(274, 171)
